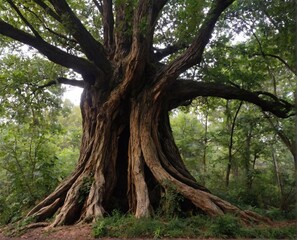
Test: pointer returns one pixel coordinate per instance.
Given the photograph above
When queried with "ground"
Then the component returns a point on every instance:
(83, 232)
(76, 232)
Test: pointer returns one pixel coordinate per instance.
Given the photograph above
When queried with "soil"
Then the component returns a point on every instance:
(76, 232)
(82, 232)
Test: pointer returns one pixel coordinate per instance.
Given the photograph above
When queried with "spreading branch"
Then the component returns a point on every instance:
(183, 90)
(193, 55)
(90, 46)
(62, 80)
(53, 53)
(48, 10)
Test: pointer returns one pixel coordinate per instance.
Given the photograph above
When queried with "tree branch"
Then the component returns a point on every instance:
(289, 144)
(159, 54)
(48, 10)
(145, 18)
(157, 7)
(98, 5)
(54, 54)
(193, 55)
(123, 37)
(23, 18)
(108, 24)
(61, 80)
(183, 90)
(278, 58)
(90, 46)
(72, 41)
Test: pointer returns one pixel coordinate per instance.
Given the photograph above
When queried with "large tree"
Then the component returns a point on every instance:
(133, 67)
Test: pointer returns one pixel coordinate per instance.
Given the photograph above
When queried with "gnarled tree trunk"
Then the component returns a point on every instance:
(128, 157)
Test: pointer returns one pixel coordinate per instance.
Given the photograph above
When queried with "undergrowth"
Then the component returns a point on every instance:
(227, 226)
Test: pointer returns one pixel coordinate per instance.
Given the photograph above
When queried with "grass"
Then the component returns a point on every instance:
(227, 226)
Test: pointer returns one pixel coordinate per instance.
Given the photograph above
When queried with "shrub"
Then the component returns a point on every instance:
(225, 226)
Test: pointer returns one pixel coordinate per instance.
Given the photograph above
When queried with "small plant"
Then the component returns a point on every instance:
(100, 230)
(84, 188)
(225, 226)
(157, 233)
(170, 201)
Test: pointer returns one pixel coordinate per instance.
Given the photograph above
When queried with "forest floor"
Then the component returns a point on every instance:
(84, 232)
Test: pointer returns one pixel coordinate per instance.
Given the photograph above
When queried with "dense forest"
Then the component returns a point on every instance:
(195, 97)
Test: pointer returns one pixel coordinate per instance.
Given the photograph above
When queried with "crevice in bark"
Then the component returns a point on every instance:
(118, 199)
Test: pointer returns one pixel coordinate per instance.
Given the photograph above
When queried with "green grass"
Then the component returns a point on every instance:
(227, 226)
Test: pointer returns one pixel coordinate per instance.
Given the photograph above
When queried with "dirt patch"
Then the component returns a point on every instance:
(77, 232)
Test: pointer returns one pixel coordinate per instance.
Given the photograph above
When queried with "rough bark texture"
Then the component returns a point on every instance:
(128, 155)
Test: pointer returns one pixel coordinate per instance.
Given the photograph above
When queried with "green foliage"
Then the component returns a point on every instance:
(32, 133)
(170, 204)
(253, 181)
(84, 188)
(227, 226)
(286, 232)
(188, 132)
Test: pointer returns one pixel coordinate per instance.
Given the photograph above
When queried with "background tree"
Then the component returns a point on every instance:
(132, 59)
(29, 129)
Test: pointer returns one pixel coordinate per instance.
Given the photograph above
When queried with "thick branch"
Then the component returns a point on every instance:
(145, 18)
(54, 54)
(157, 7)
(108, 24)
(92, 48)
(61, 80)
(183, 90)
(48, 10)
(123, 37)
(193, 54)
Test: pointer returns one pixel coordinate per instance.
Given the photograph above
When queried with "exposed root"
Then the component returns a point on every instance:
(258, 218)
(36, 225)
(205, 201)
(48, 211)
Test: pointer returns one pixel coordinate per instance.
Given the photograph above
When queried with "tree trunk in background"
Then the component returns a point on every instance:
(230, 146)
(205, 141)
(248, 173)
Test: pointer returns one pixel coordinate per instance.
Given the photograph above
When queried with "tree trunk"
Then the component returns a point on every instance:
(230, 145)
(128, 157)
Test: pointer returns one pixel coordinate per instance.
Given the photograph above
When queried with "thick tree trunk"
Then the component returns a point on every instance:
(128, 157)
